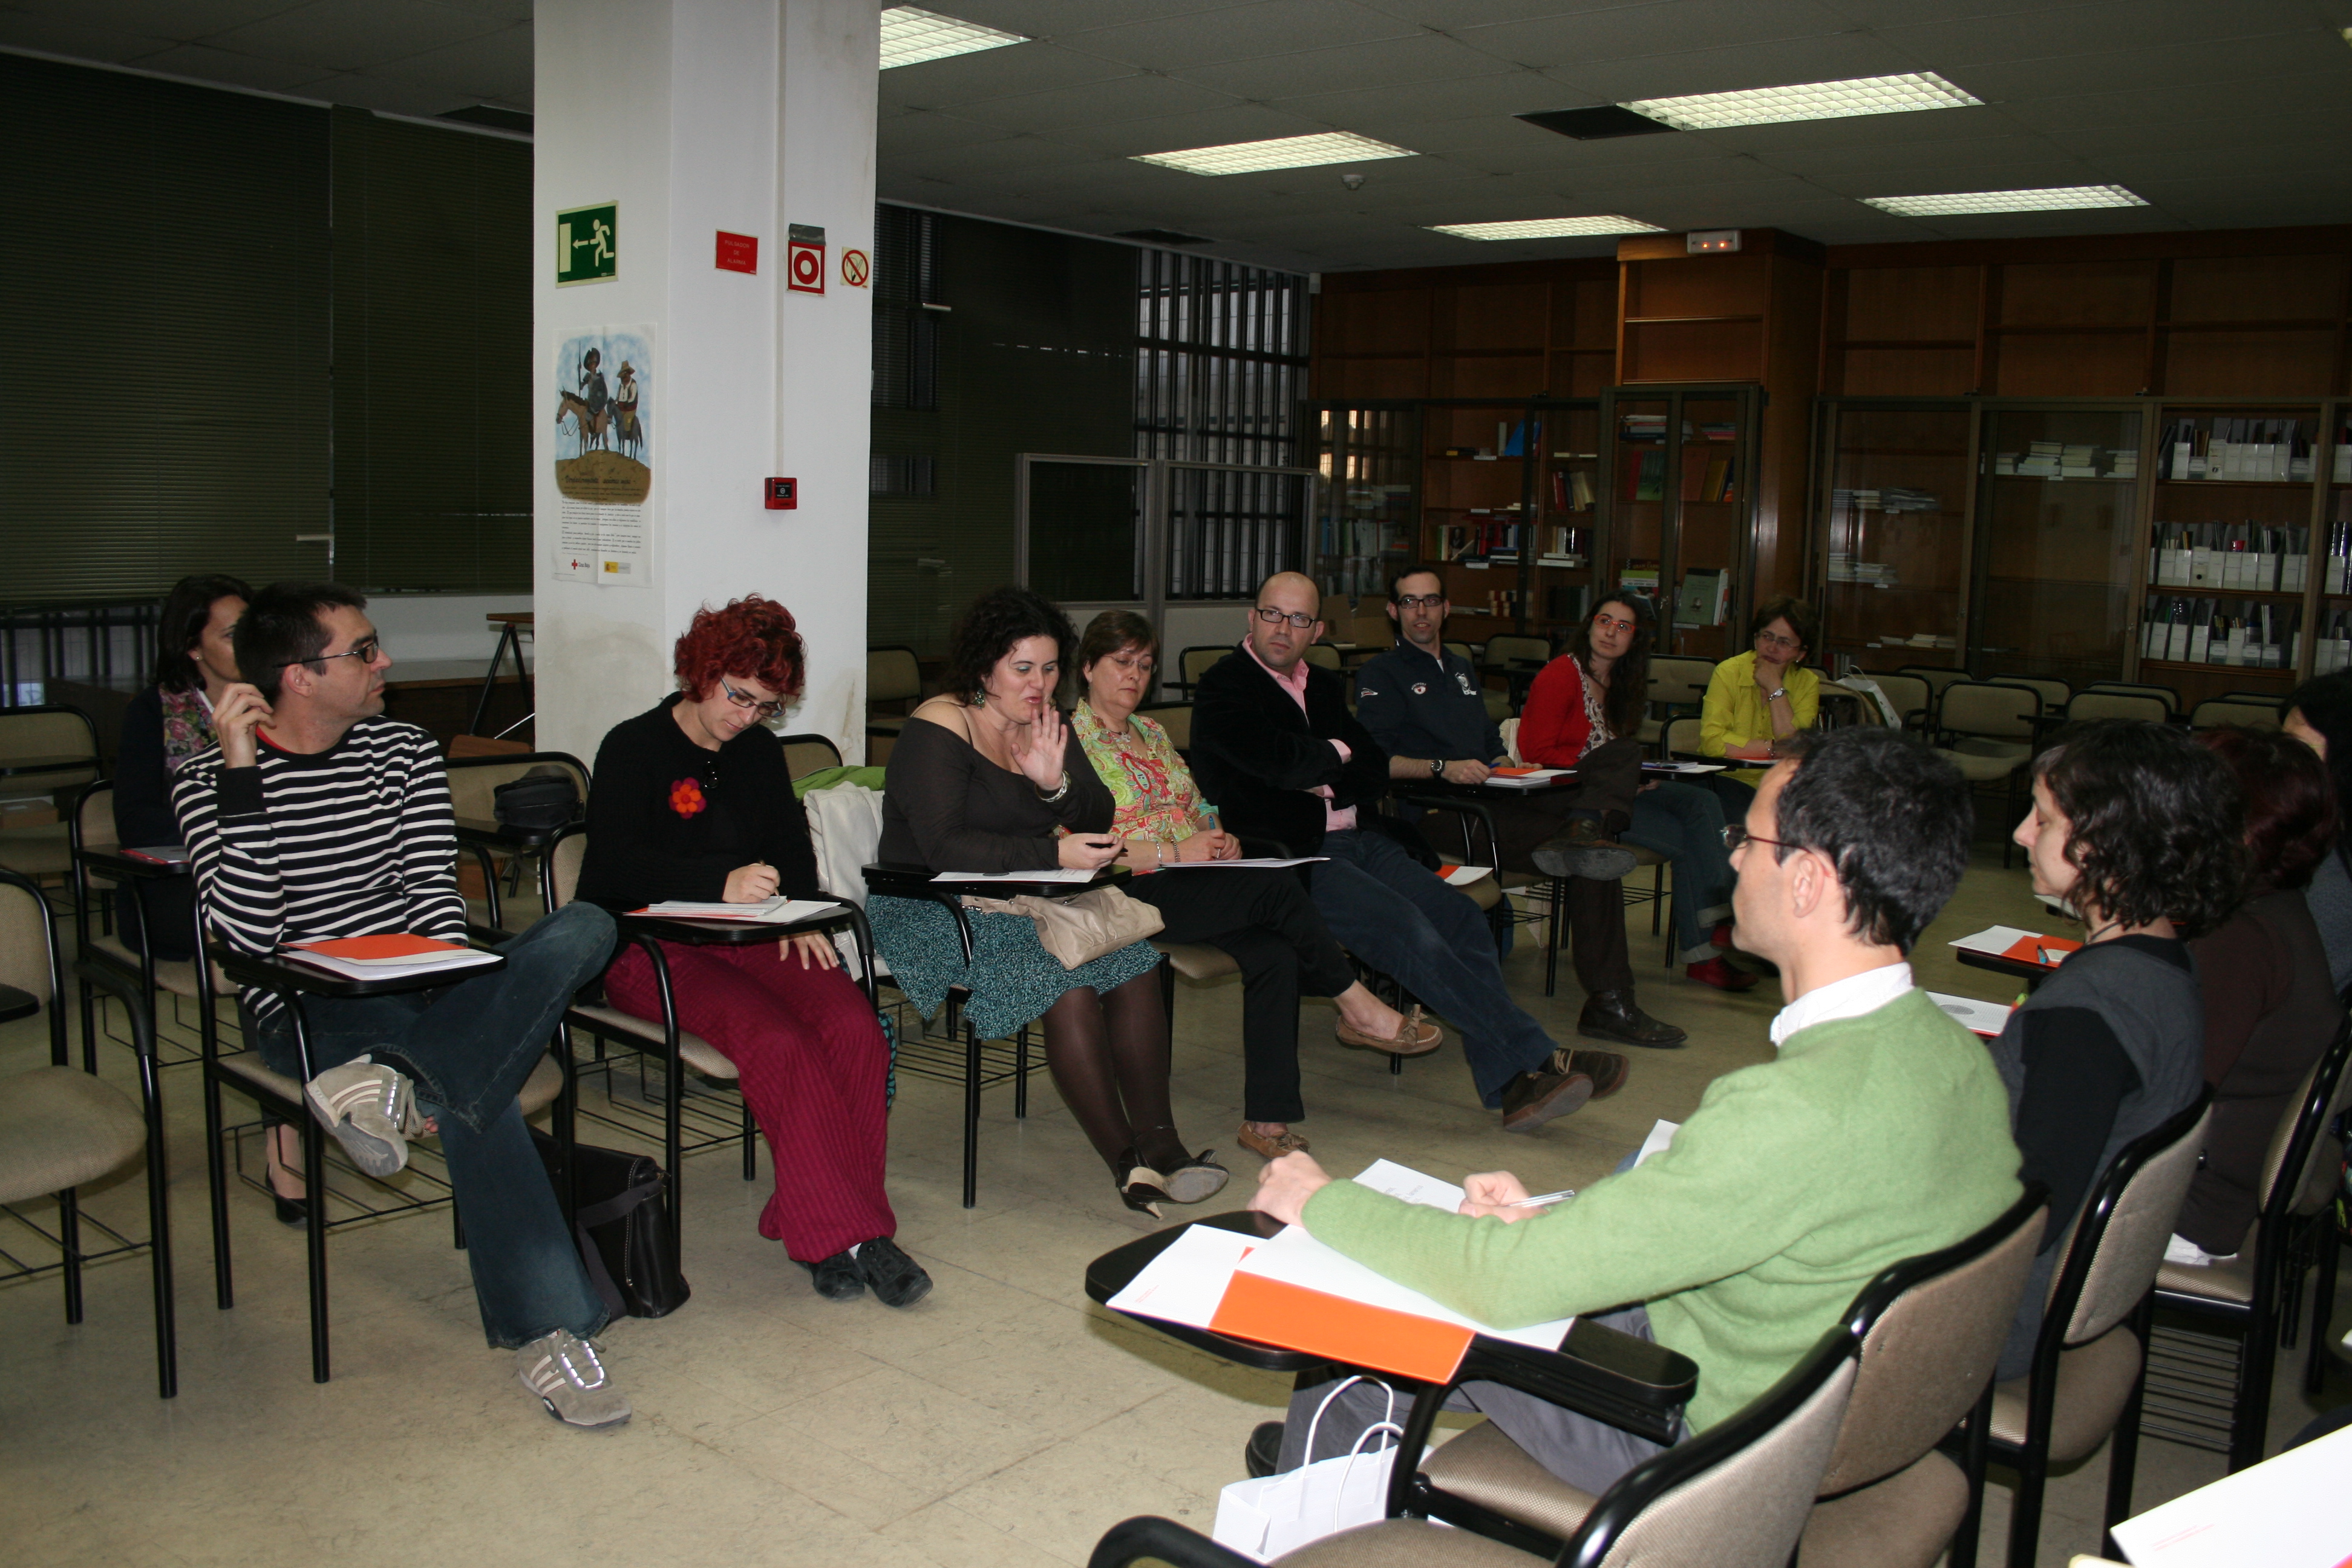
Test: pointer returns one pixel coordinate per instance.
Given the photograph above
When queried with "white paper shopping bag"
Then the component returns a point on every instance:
(1263, 1517)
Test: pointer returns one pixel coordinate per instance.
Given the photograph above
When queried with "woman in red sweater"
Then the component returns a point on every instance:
(1596, 691)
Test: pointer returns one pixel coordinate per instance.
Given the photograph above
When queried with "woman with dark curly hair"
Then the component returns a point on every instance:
(987, 777)
(691, 801)
(2141, 830)
(2319, 714)
(2269, 1008)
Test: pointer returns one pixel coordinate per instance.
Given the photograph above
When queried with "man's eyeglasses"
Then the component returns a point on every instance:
(1275, 617)
(364, 650)
(1776, 640)
(1734, 836)
(1421, 601)
(765, 709)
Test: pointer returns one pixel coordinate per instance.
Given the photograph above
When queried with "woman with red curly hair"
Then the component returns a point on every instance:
(692, 801)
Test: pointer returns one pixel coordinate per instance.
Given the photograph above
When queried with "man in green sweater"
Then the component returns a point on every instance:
(1880, 1133)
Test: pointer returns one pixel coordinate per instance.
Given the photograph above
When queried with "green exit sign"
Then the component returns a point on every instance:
(588, 245)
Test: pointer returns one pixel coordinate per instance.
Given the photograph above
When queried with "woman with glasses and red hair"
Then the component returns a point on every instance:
(692, 801)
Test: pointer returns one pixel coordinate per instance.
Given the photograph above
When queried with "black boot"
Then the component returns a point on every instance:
(1611, 1015)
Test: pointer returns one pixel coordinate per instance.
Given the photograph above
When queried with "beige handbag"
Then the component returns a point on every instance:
(1077, 931)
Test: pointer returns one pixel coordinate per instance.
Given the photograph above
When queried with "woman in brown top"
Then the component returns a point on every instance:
(2270, 1006)
(987, 777)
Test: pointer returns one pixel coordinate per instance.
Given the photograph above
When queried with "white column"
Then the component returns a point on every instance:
(698, 117)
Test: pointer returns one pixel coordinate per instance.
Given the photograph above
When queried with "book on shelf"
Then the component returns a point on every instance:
(2337, 576)
(1571, 490)
(1645, 479)
(1639, 577)
(2331, 653)
(2239, 448)
(1889, 499)
(1700, 601)
(2251, 634)
(2247, 556)
(2067, 460)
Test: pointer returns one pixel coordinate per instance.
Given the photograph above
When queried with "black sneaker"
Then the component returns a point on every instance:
(898, 1280)
(1533, 1098)
(1611, 1015)
(1263, 1454)
(1607, 1070)
(837, 1278)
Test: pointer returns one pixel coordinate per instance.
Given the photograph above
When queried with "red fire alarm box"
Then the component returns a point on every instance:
(783, 495)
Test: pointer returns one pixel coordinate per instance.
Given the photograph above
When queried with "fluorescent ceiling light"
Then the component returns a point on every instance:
(910, 35)
(1547, 228)
(1808, 100)
(1282, 152)
(2051, 199)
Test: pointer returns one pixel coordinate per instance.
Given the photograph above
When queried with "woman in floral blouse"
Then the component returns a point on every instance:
(1264, 918)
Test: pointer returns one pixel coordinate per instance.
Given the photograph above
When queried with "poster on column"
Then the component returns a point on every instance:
(604, 455)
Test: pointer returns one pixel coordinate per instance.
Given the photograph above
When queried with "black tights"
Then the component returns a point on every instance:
(1108, 1055)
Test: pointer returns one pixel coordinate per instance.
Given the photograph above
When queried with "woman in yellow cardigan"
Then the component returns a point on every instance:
(1758, 699)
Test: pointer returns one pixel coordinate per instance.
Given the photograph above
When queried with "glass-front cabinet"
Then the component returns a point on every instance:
(2206, 547)
(1895, 582)
(1680, 473)
(1366, 508)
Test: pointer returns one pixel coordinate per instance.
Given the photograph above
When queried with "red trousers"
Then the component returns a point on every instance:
(812, 1060)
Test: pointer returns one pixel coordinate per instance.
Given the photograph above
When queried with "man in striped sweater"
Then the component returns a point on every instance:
(316, 816)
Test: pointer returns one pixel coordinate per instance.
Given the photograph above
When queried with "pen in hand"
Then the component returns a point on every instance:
(1541, 1199)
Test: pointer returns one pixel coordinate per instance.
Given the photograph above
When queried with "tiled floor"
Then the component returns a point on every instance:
(1005, 1420)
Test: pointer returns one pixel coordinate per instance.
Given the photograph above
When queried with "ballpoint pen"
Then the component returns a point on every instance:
(1540, 1199)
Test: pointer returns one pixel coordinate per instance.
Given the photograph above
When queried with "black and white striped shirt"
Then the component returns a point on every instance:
(357, 840)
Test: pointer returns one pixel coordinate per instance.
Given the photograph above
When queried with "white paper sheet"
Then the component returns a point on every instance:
(1986, 1018)
(1295, 1257)
(767, 911)
(1262, 864)
(1463, 876)
(1186, 1281)
(1660, 1134)
(1684, 767)
(2285, 1512)
(1995, 940)
(350, 970)
(1539, 779)
(1404, 1183)
(1054, 874)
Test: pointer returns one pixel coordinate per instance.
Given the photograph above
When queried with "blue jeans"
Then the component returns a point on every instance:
(470, 1049)
(1685, 823)
(1394, 915)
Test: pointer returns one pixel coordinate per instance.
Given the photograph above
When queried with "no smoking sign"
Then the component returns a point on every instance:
(855, 268)
(804, 258)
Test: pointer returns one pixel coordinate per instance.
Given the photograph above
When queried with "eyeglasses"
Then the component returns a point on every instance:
(765, 709)
(1777, 640)
(1612, 623)
(1275, 617)
(1734, 836)
(1421, 601)
(364, 650)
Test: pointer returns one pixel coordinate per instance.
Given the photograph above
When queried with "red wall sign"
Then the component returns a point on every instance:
(804, 258)
(738, 252)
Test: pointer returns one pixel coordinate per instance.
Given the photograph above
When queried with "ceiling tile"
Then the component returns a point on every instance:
(1424, 56)
(201, 63)
(2247, 100)
(1462, 17)
(993, 73)
(1068, 19)
(1911, 12)
(2055, 32)
(1271, 28)
(1781, 63)
(174, 20)
(2191, 66)
(1009, 155)
(496, 65)
(1635, 32)
(363, 89)
(345, 35)
(909, 136)
(1912, 160)
(1488, 99)
(80, 40)
(1228, 123)
(1095, 103)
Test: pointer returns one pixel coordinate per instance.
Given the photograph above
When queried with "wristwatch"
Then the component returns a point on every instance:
(1777, 693)
(1437, 767)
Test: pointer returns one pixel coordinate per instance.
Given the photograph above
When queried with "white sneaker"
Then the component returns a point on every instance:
(371, 1109)
(563, 1370)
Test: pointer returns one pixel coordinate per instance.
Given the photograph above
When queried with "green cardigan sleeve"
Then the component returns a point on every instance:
(1737, 1186)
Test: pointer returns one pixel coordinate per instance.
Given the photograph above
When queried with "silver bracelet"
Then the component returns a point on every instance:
(1055, 797)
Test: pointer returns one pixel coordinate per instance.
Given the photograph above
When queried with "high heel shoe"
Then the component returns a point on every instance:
(1140, 1187)
(290, 1211)
(1197, 1178)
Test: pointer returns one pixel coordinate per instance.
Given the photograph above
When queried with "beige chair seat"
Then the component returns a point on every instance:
(2232, 1281)
(886, 723)
(60, 1128)
(177, 976)
(1485, 892)
(1487, 1468)
(1979, 746)
(1198, 960)
(2094, 1382)
(1406, 1543)
(36, 851)
(693, 1049)
(1908, 1516)
(1979, 769)
(539, 1090)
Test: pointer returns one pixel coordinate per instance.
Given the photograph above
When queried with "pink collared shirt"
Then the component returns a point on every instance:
(1336, 820)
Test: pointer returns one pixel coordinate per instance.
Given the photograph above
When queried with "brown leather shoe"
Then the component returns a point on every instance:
(1607, 1070)
(1412, 1038)
(1533, 1098)
(1267, 1148)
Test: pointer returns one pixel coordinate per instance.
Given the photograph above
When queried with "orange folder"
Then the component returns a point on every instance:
(1512, 772)
(1275, 1313)
(380, 949)
(2021, 950)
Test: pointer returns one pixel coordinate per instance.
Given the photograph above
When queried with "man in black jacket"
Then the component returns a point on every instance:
(1274, 747)
(1426, 709)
